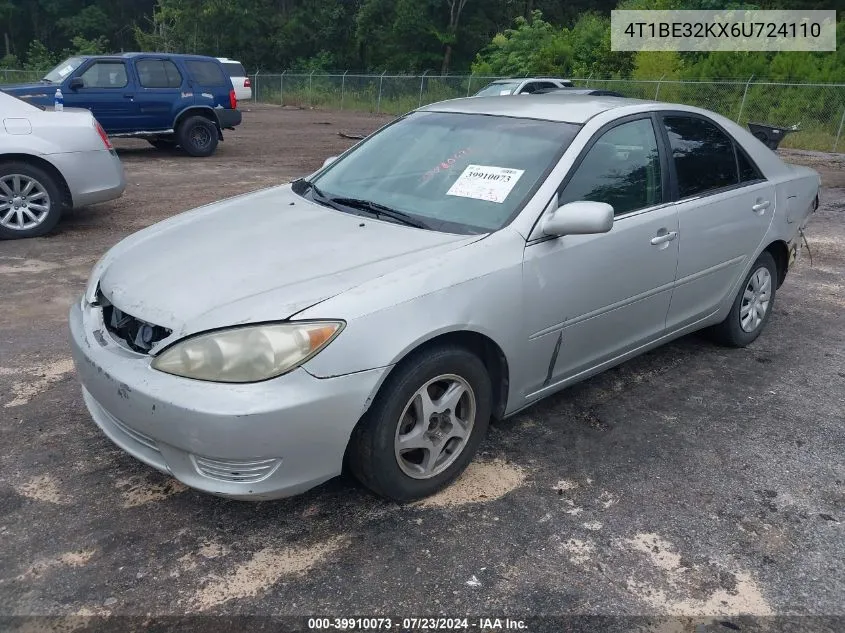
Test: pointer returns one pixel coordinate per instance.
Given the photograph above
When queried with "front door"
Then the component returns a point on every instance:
(591, 298)
(107, 91)
(725, 207)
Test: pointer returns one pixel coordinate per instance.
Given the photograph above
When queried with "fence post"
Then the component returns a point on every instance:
(587, 84)
(657, 92)
(282, 88)
(839, 133)
(469, 84)
(378, 103)
(343, 88)
(744, 94)
(255, 92)
(310, 88)
(422, 83)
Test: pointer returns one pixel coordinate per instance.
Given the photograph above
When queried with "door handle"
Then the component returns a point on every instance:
(663, 238)
(128, 95)
(761, 206)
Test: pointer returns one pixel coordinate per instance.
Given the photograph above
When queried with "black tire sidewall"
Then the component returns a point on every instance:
(372, 457)
(184, 136)
(735, 335)
(48, 181)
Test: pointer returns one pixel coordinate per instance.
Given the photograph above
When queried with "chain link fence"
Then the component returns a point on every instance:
(9, 76)
(819, 109)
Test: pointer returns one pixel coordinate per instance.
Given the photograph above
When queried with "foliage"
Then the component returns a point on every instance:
(514, 37)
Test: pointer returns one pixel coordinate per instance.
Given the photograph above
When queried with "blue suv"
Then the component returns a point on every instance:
(169, 100)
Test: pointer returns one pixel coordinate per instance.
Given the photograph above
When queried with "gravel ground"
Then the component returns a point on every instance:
(692, 481)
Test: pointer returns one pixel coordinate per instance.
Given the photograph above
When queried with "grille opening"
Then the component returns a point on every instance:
(136, 334)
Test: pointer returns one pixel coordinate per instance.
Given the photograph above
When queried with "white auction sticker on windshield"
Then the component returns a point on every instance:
(63, 72)
(483, 182)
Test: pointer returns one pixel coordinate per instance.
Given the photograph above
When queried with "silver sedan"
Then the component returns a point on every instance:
(459, 265)
(51, 161)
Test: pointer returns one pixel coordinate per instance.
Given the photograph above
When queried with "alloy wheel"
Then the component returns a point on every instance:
(24, 202)
(755, 299)
(435, 426)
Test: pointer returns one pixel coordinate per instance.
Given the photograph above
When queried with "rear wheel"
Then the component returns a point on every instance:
(197, 136)
(425, 425)
(30, 201)
(752, 306)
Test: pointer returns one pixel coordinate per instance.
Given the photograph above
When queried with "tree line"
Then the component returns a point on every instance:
(489, 37)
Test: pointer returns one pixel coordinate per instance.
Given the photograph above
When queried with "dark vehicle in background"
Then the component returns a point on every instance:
(169, 100)
(593, 92)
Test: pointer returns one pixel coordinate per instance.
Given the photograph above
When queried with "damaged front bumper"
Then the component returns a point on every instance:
(252, 441)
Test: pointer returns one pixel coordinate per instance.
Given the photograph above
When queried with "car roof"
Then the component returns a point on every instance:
(512, 79)
(567, 108)
(146, 54)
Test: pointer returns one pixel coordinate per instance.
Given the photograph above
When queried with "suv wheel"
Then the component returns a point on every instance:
(30, 201)
(197, 136)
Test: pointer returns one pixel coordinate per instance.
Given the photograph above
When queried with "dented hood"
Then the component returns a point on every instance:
(260, 257)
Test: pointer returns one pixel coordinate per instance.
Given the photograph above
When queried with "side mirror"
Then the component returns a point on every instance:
(579, 218)
(329, 161)
(76, 83)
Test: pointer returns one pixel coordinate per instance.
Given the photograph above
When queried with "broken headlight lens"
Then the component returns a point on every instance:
(247, 354)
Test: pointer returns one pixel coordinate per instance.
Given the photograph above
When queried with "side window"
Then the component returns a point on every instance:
(703, 154)
(105, 75)
(207, 73)
(158, 73)
(748, 172)
(546, 85)
(622, 169)
(529, 88)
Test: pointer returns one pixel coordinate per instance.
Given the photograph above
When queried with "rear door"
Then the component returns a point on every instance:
(108, 92)
(159, 87)
(725, 207)
(210, 83)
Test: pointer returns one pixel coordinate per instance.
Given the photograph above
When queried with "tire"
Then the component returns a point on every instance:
(36, 209)
(198, 136)
(165, 144)
(381, 453)
(741, 328)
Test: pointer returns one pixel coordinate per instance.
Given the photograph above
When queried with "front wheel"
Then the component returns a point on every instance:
(752, 306)
(424, 426)
(198, 136)
(30, 201)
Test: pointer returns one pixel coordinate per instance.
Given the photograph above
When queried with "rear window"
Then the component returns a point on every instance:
(207, 73)
(234, 69)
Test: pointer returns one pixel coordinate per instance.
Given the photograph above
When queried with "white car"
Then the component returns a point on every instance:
(522, 86)
(240, 81)
(51, 161)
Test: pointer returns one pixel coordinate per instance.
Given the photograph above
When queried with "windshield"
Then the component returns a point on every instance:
(498, 88)
(459, 173)
(58, 74)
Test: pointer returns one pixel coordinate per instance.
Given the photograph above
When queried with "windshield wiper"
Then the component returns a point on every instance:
(381, 211)
(47, 81)
(368, 206)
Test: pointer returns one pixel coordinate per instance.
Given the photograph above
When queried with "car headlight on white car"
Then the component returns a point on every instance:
(247, 354)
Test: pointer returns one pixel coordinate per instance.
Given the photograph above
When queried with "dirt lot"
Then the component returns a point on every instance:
(692, 481)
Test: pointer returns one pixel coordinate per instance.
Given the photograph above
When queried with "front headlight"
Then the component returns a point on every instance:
(247, 354)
